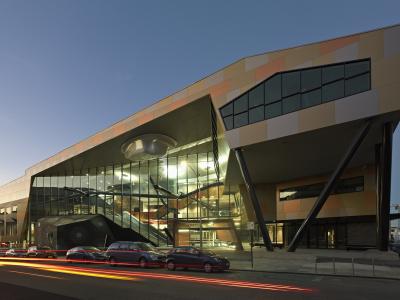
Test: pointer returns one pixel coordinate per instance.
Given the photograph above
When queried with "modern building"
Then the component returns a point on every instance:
(297, 141)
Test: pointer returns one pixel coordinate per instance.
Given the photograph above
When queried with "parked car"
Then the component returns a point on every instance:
(85, 254)
(194, 258)
(139, 253)
(15, 253)
(395, 247)
(41, 252)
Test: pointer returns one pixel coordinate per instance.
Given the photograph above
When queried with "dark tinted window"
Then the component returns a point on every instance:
(290, 83)
(227, 110)
(113, 246)
(124, 246)
(357, 84)
(332, 73)
(256, 96)
(241, 119)
(333, 91)
(291, 104)
(133, 247)
(228, 122)
(256, 114)
(310, 79)
(240, 104)
(348, 185)
(311, 98)
(294, 90)
(356, 68)
(273, 110)
(183, 250)
(273, 89)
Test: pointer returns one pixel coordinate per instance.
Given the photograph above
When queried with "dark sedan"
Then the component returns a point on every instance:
(194, 258)
(135, 253)
(85, 254)
(395, 247)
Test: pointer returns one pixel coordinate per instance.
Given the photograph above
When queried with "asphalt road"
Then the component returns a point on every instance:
(30, 279)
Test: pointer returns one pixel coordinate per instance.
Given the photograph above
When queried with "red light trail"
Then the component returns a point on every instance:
(134, 275)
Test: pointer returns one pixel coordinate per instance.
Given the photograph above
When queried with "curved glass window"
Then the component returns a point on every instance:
(286, 92)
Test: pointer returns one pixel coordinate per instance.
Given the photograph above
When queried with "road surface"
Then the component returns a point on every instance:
(56, 280)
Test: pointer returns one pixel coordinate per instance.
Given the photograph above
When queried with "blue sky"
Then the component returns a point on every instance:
(71, 68)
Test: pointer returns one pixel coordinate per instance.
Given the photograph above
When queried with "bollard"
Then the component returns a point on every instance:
(315, 266)
(373, 267)
(352, 264)
(334, 268)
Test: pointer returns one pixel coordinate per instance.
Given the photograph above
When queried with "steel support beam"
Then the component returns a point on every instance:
(378, 182)
(253, 197)
(383, 213)
(330, 185)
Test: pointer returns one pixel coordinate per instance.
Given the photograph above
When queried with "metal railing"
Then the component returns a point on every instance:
(373, 262)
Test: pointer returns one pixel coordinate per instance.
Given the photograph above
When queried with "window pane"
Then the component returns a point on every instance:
(348, 185)
(356, 68)
(332, 73)
(241, 119)
(311, 98)
(290, 83)
(240, 104)
(333, 91)
(227, 110)
(357, 84)
(291, 104)
(256, 96)
(273, 110)
(228, 122)
(273, 89)
(256, 114)
(310, 79)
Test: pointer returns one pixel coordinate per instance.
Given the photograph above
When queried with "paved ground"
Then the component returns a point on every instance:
(29, 279)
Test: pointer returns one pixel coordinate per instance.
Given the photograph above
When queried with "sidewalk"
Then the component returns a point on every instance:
(369, 263)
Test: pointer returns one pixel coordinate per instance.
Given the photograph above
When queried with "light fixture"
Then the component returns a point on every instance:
(147, 146)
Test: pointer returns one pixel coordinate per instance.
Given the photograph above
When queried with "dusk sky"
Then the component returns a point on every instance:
(71, 68)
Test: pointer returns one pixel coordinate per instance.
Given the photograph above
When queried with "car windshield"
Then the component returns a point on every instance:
(43, 248)
(208, 252)
(93, 249)
(146, 247)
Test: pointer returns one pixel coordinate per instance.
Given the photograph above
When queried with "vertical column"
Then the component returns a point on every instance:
(378, 182)
(385, 185)
(253, 198)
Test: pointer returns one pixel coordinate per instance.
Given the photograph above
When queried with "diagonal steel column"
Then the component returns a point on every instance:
(383, 224)
(253, 198)
(330, 185)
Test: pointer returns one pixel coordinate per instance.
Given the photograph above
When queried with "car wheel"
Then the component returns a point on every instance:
(113, 262)
(208, 268)
(143, 263)
(171, 265)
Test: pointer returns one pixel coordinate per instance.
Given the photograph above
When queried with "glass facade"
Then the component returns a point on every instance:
(291, 91)
(174, 196)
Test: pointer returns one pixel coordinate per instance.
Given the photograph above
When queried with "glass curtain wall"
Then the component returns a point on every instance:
(173, 196)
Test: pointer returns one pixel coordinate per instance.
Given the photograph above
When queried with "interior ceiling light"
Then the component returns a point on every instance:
(147, 146)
